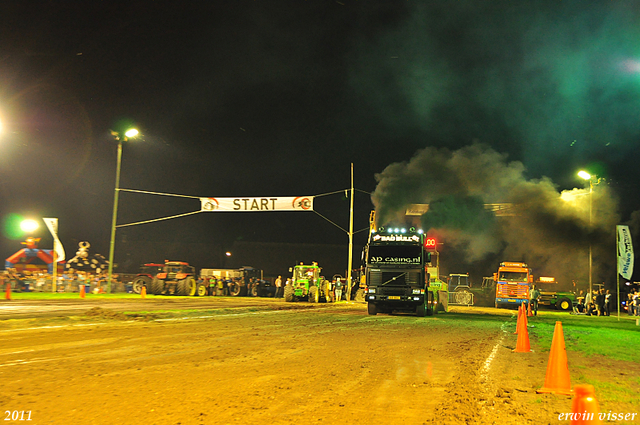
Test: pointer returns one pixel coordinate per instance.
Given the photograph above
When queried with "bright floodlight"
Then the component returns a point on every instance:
(131, 132)
(29, 225)
(228, 254)
(583, 174)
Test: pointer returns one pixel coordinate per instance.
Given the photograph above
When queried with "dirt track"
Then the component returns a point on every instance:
(272, 364)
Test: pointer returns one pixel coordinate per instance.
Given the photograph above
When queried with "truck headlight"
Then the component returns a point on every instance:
(418, 291)
(372, 290)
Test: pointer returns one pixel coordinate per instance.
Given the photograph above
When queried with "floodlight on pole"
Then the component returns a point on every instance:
(29, 225)
(127, 135)
(586, 176)
(583, 174)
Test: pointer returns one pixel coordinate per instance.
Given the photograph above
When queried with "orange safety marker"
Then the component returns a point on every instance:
(557, 380)
(522, 345)
(519, 319)
(530, 313)
(143, 292)
(584, 408)
(7, 295)
(82, 291)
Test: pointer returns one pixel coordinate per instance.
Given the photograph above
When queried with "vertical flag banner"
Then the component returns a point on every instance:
(625, 252)
(52, 224)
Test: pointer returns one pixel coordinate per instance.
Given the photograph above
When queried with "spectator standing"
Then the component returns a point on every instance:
(534, 297)
(588, 299)
(338, 289)
(600, 302)
(636, 303)
(278, 284)
(607, 303)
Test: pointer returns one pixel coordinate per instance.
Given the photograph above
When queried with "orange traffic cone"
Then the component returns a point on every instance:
(522, 345)
(557, 380)
(519, 319)
(7, 295)
(82, 292)
(529, 312)
(584, 408)
(143, 292)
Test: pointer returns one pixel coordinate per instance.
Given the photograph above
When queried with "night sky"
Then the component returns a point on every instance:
(256, 98)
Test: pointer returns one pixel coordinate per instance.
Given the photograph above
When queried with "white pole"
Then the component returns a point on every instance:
(590, 229)
(349, 283)
(618, 272)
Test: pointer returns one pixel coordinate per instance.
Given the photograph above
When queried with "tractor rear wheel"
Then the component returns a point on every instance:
(139, 282)
(202, 290)
(157, 286)
(288, 293)
(186, 287)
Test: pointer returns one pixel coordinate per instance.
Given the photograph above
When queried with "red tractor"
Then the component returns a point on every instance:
(147, 273)
(177, 278)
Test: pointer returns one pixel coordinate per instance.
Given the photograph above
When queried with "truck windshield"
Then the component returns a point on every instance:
(395, 254)
(513, 276)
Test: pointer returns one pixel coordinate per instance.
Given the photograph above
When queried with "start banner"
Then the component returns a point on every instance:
(297, 203)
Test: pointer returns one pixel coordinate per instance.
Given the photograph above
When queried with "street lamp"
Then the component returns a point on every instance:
(584, 175)
(127, 135)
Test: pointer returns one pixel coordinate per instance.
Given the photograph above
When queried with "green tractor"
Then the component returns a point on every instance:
(308, 284)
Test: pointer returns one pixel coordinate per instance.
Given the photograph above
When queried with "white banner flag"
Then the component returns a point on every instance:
(625, 252)
(52, 224)
(298, 203)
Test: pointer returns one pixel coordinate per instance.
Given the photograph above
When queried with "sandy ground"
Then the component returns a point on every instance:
(265, 361)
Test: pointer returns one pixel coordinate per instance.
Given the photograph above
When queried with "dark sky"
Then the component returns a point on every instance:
(256, 98)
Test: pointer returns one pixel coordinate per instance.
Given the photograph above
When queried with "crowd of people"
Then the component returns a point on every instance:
(68, 281)
(594, 303)
(633, 303)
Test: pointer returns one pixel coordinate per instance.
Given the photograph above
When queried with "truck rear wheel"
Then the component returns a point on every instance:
(428, 304)
(372, 309)
(288, 293)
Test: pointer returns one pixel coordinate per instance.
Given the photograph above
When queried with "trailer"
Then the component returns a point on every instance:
(245, 281)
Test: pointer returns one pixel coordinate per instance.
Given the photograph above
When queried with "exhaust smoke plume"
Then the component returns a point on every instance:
(550, 229)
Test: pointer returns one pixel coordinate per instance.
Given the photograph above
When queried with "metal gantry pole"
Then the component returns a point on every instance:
(114, 219)
(350, 265)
